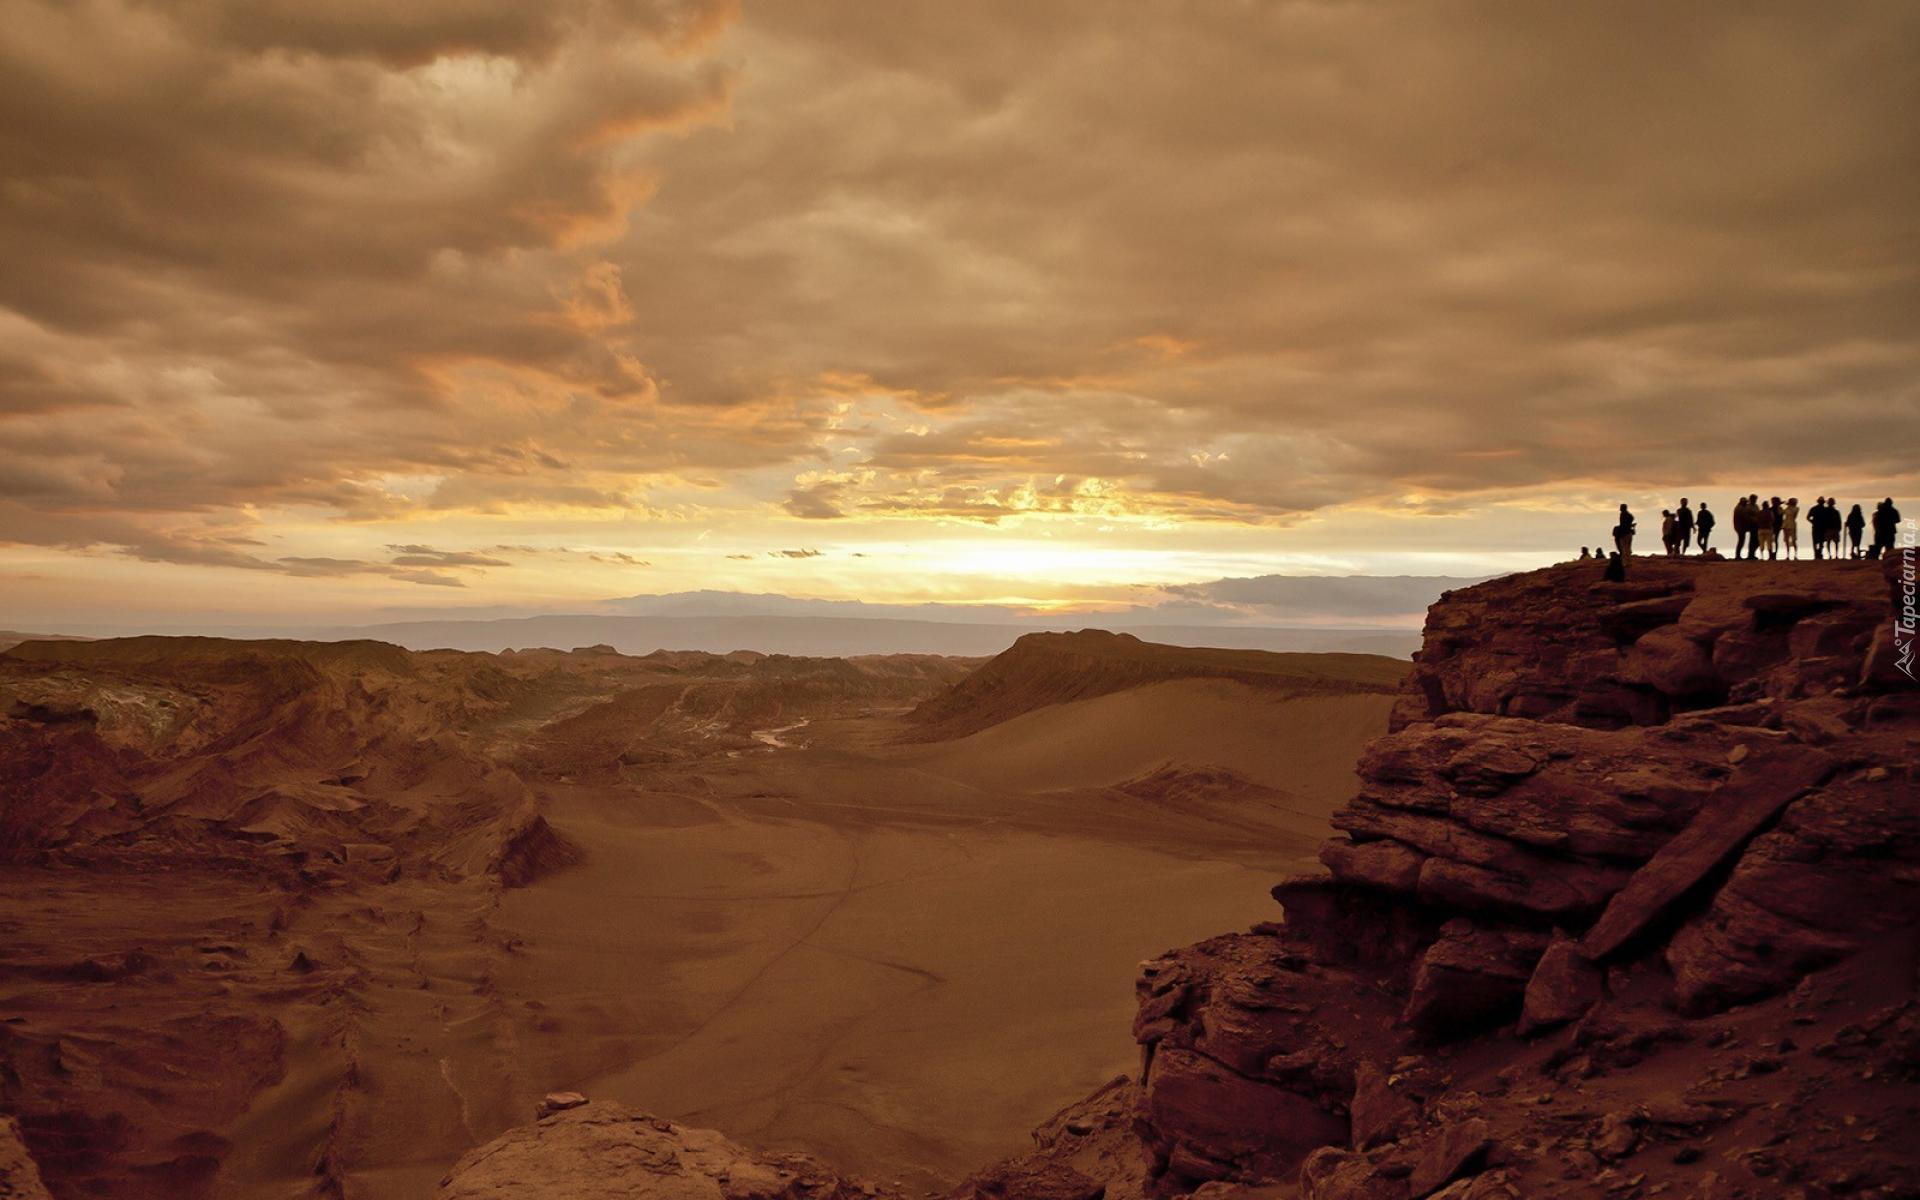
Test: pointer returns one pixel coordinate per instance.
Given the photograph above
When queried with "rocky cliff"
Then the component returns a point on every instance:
(1624, 906)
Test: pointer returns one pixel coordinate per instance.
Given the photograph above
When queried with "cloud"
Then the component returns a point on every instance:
(1246, 263)
(427, 556)
(638, 261)
(1364, 599)
(793, 553)
(274, 255)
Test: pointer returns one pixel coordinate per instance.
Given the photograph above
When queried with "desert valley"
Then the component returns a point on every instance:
(1623, 901)
(293, 916)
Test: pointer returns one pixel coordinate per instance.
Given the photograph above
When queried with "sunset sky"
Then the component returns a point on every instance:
(335, 307)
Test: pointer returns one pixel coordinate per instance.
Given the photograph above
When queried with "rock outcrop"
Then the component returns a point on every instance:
(605, 1152)
(1605, 815)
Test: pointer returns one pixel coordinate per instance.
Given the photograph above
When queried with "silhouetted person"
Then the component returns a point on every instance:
(1770, 526)
(1817, 526)
(1586, 555)
(1790, 526)
(1669, 533)
(1683, 517)
(1616, 571)
(1886, 524)
(1856, 524)
(1704, 525)
(1746, 516)
(1623, 533)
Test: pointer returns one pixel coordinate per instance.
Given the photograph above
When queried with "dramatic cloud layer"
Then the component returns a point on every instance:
(447, 291)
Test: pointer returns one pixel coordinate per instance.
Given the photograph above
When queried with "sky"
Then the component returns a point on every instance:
(325, 308)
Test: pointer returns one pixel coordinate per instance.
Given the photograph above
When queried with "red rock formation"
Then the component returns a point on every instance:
(603, 1152)
(1600, 805)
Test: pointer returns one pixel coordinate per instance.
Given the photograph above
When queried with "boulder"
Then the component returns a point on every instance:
(1029, 1179)
(1386, 864)
(1673, 663)
(1764, 784)
(1455, 1150)
(1564, 985)
(1839, 873)
(1331, 1173)
(1197, 1107)
(554, 1102)
(606, 1152)
(1472, 977)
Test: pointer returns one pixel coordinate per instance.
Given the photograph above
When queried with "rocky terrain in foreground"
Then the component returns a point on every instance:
(1625, 907)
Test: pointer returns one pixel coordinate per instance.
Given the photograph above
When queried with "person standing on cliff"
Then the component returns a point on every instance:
(1886, 522)
(1669, 532)
(1623, 533)
(1856, 524)
(1817, 526)
(1683, 518)
(1744, 514)
(1790, 526)
(1705, 525)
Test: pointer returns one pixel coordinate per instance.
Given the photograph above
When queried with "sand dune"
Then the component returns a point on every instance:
(1300, 745)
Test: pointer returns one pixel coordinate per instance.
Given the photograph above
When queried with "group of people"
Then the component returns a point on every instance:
(1772, 525)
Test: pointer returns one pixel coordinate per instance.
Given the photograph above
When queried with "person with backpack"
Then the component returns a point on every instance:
(1623, 533)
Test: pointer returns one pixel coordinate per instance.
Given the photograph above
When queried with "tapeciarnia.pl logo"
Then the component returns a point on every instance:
(1908, 617)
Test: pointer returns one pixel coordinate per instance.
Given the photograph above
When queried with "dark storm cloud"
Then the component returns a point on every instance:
(1269, 257)
(1222, 260)
(281, 254)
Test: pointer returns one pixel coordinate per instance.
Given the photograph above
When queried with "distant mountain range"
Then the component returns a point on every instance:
(841, 636)
(1369, 614)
